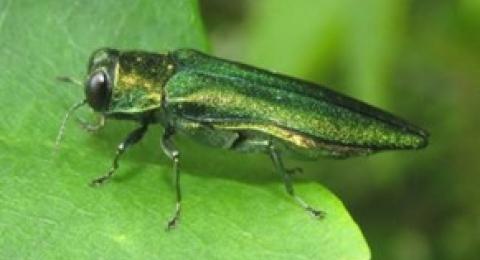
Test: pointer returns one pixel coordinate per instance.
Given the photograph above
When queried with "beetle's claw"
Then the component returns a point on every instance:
(316, 213)
(98, 181)
(172, 223)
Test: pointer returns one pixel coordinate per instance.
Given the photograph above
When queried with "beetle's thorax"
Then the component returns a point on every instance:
(139, 81)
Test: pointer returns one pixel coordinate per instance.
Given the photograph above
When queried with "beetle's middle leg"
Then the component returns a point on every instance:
(286, 175)
(133, 138)
(171, 151)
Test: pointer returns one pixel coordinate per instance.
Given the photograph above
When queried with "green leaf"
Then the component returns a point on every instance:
(231, 210)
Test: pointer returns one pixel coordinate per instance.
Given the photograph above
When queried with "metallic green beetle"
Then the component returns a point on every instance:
(234, 106)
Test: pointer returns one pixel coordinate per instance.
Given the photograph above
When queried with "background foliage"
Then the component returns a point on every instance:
(417, 58)
(234, 207)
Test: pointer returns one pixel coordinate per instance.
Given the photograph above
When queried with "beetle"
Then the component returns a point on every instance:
(234, 106)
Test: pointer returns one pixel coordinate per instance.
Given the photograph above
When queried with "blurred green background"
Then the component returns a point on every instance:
(418, 59)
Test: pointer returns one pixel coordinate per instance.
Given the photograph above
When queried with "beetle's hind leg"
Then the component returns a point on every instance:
(171, 151)
(286, 175)
(133, 138)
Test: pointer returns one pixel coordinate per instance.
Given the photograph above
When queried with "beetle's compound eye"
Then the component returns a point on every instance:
(98, 90)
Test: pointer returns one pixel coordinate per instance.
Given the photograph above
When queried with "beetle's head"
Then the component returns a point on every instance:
(126, 82)
(101, 78)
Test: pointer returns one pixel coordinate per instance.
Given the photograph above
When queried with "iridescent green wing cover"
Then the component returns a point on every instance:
(229, 95)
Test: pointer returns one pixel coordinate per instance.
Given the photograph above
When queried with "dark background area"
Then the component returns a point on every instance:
(417, 59)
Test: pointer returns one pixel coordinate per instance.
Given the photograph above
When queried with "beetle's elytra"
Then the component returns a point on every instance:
(235, 106)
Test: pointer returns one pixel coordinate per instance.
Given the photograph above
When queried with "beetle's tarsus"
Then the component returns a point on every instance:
(172, 223)
(286, 175)
(100, 180)
(133, 138)
(316, 213)
(92, 127)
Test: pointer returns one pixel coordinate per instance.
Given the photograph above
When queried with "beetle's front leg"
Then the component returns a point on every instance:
(132, 138)
(92, 127)
(286, 175)
(171, 151)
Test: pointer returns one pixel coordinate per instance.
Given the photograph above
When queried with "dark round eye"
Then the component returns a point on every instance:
(98, 91)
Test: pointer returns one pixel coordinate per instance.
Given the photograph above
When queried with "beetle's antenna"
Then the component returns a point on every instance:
(65, 119)
(69, 80)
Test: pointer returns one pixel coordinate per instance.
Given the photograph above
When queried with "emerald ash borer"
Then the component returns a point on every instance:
(233, 106)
